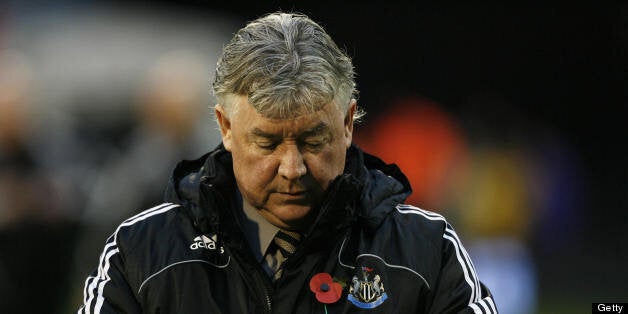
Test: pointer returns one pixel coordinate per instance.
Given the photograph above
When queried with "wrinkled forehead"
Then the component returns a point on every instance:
(280, 111)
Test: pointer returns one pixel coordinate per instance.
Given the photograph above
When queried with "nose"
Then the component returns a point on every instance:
(292, 166)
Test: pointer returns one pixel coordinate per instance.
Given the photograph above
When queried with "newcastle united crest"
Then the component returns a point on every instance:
(367, 289)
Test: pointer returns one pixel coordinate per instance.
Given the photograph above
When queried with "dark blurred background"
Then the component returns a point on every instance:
(508, 119)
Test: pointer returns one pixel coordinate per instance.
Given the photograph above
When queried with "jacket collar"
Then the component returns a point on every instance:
(367, 190)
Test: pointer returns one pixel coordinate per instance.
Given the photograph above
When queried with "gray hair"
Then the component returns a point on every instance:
(287, 65)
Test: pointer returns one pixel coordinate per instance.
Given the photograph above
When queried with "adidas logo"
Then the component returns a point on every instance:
(205, 242)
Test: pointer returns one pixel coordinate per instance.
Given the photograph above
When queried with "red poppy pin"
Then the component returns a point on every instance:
(327, 291)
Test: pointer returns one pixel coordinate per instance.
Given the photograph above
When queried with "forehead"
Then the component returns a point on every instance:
(246, 117)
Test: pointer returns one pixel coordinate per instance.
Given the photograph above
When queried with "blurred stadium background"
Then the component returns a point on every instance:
(508, 119)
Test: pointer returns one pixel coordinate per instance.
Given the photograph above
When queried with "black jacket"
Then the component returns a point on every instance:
(189, 255)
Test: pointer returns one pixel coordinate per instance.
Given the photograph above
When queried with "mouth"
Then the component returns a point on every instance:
(292, 197)
(299, 193)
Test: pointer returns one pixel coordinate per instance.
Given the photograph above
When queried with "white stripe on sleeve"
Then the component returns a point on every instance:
(483, 304)
(476, 309)
(98, 282)
(490, 302)
(461, 254)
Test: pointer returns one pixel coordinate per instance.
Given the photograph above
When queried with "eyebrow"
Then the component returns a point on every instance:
(260, 133)
(320, 128)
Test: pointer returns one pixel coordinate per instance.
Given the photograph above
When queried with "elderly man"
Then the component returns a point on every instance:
(286, 215)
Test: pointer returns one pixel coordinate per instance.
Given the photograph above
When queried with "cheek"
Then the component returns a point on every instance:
(326, 167)
(254, 174)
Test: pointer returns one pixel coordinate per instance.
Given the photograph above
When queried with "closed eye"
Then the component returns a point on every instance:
(314, 144)
(267, 145)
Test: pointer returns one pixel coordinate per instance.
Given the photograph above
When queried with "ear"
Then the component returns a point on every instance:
(225, 126)
(348, 123)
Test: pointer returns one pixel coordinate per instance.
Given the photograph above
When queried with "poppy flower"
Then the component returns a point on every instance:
(327, 291)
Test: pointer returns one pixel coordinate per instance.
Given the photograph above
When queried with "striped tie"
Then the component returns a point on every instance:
(284, 244)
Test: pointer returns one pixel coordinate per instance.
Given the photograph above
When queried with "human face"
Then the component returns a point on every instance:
(283, 166)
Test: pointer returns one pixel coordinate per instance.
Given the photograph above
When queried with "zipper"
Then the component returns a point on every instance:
(268, 302)
(267, 290)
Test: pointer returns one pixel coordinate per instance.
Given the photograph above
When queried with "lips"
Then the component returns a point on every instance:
(293, 193)
(300, 197)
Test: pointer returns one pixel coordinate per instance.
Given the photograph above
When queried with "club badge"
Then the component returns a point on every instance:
(367, 289)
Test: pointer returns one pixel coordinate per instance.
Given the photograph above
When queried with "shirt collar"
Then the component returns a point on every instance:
(265, 230)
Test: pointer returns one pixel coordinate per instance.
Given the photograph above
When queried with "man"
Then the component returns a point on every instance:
(286, 215)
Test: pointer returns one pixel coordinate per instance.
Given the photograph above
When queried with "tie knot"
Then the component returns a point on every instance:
(287, 241)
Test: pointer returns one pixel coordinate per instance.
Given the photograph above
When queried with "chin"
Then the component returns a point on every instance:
(292, 215)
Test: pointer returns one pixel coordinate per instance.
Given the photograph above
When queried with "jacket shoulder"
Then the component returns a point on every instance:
(424, 222)
(153, 239)
(125, 251)
(413, 238)
(142, 227)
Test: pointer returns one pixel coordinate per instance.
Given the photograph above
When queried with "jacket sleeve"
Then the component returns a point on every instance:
(458, 289)
(107, 289)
